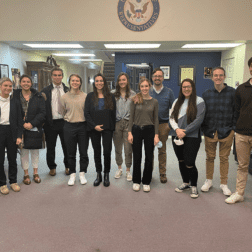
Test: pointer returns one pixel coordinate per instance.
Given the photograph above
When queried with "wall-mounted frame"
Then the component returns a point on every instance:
(4, 71)
(185, 72)
(166, 70)
(208, 72)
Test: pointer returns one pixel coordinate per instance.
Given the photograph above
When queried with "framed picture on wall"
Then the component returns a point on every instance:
(207, 72)
(186, 72)
(15, 77)
(166, 70)
(4, 71)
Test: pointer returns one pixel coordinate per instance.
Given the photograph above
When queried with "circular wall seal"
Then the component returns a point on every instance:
(138, 15)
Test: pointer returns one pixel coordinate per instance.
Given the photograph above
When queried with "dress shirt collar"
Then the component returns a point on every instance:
(4, 99)
(60, 86)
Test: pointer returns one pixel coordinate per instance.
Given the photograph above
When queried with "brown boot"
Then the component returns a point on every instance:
(163, 178)
(52, 172)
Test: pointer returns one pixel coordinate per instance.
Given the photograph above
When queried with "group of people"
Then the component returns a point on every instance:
(130, 120)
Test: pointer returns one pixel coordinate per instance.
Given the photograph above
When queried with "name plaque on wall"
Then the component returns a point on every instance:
(138, 15)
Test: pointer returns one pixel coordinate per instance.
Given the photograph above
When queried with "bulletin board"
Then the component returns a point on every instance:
(186, 72)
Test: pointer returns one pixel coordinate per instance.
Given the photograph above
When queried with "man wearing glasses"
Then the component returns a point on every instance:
(165, 98)
(54, 119)
(218, 126)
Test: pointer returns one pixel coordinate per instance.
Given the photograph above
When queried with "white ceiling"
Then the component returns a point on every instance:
(105, 55)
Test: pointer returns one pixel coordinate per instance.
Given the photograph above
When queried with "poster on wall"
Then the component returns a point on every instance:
(186, 72)
(208, 72)
(166, 70)
(4, 71)
(15, 77)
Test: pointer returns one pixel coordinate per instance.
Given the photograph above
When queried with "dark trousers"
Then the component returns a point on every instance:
(188, 153)
(76, 134)
(51, 134)
(145, 134)
(8, 143)
(106, 136)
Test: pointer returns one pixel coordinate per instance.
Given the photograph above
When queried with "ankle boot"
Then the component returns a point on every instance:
(98, 179)
(106, 179)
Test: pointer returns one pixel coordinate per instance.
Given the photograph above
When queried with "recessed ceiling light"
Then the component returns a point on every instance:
(74, 54)
(54, 45)
(113, 54)
(218, 45)
(131, 46)
(86, 59)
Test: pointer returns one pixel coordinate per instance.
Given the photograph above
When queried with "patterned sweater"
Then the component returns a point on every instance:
(192, 129)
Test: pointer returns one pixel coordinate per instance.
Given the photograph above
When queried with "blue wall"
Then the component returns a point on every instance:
(198, 59)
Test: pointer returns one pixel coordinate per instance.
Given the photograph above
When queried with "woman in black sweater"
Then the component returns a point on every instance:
(100, 114)
(33, 111)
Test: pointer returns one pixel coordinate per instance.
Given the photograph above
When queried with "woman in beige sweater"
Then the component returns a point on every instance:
(75, 128)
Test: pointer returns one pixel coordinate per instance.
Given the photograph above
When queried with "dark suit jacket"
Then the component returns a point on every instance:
(47, 94)
(15, 119)
(96, 117)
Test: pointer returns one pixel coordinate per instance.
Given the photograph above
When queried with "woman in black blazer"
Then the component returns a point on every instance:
(10, 135)
(100, 114)
(33, 111)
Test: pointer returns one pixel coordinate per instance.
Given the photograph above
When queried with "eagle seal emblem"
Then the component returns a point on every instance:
(138, 15)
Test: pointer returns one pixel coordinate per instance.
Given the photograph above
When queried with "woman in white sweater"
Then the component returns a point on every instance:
(186, 115)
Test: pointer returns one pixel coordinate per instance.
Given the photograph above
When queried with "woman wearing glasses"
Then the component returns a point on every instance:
(186, 115)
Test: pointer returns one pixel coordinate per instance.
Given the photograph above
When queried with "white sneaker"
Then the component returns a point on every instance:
(83, 180)
(128, 176)
(235, 197)
(225, 190)
(194, 193)
(207, 185)
(136, 187)
(146, 188)
(72, 179)
(118, 173)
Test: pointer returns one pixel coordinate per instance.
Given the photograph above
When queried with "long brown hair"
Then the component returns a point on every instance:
(192, 106)
(138, 98)
(118, 92)
(108, 102)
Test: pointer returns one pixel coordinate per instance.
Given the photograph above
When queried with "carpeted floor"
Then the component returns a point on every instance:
(52, 216)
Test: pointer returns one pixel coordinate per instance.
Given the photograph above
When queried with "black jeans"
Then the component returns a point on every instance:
(8, 143)
(145, 134)
(76, 134)
(106, 136)
(51, 134)
(188, 153)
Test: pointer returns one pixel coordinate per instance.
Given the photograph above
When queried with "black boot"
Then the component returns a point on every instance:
(106, 179)
(98, 179)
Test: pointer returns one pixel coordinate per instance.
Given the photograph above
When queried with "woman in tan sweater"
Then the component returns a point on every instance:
(143, 126)
(75, 128)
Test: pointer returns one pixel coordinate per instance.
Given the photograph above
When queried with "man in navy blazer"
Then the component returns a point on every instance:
(54, 119)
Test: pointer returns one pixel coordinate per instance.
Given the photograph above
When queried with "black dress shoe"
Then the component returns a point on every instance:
(98, 179)
(106, 179)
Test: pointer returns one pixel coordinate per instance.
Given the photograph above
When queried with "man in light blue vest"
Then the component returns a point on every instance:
(165, 99)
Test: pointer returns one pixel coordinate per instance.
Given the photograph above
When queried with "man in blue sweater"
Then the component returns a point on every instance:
(165, 99)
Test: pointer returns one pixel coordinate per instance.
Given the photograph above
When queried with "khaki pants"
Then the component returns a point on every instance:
(163, 132)
(224, 151)
(243, 148)
(120, 138)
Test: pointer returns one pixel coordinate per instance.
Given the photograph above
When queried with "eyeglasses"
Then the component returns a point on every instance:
(187, 87)
(55, 75)
(218, 75)
(157, 76)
